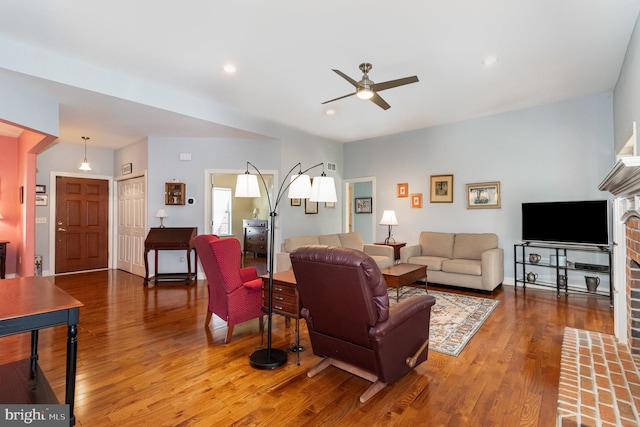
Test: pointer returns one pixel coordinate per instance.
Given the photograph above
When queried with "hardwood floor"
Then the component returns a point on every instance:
(145, 359)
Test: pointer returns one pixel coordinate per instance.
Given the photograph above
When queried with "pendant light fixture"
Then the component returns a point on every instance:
(85, 166)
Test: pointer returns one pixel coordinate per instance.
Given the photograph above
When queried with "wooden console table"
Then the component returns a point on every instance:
(3, 258)
(170, 238)
(28, 304)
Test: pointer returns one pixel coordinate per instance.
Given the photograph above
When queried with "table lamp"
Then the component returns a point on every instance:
(162, 214)
(389, 218)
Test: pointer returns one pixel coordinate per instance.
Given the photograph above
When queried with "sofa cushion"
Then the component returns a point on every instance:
(463, 266)
(472, 245)
(433, 263)
(295, 242)
(352, 240)
(437, 244)
(329, 240)
(382, 261)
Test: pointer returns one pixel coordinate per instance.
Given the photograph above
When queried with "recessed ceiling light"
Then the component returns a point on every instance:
(230, 68)
(330, 112)
(489, 60)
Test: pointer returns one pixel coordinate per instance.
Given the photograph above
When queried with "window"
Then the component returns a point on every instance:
(221, 211)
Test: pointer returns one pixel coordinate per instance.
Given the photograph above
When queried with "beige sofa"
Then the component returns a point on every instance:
(383, 255)
(468, 260)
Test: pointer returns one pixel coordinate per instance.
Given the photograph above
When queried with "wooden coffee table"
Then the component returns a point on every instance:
(402, 274)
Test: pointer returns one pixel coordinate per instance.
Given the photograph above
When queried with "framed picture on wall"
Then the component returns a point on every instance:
(441, 188)
(310, 207)
(416, 200)
(41, 189)
(403, 190)
(484, 195)
(363, 205)
(296, 202)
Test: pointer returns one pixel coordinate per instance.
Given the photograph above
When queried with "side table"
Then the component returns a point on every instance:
(396, 247)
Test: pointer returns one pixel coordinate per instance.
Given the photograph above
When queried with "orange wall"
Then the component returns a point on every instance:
(9, 200)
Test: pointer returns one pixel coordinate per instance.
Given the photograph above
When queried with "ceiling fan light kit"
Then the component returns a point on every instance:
(367, 89)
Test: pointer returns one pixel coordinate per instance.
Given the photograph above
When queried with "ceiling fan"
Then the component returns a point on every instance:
(367, 89)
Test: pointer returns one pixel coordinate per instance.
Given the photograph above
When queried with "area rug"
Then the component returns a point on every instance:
(454, 318)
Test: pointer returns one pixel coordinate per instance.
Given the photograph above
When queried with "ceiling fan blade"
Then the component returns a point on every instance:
(394, 83)
(335, 99)
(347, 78)
(377, 99)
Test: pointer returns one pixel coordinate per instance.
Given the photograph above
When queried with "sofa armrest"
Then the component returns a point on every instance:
(408, 251)
(492, 268)
(378, 250)
(283, 262)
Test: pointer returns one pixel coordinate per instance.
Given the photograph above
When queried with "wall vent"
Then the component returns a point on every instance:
(331, 166)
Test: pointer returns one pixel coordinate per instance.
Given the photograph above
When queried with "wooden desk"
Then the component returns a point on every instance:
(28, 304)
(3, 257)
(286, 300)
(170, 238)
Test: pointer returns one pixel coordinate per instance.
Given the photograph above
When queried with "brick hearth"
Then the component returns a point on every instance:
(599, 381)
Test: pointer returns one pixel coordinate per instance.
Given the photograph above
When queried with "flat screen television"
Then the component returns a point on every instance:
(577, 223)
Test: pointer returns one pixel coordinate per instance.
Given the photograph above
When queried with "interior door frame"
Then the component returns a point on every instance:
(348, 183)
(208, 215)
(52, 215)
(116, 190)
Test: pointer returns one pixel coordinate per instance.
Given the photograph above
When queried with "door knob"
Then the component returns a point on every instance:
(61, 229)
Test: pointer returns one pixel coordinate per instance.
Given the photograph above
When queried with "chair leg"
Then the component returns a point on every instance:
(208, 319)
(372, 390)
(261, 322)
(229, 333)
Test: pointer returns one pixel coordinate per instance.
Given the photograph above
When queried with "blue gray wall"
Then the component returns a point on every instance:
(560, 151)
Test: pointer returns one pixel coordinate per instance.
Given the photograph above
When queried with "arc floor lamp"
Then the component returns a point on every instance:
(299, 186)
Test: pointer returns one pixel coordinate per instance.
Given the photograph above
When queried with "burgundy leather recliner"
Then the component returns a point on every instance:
(351, 326)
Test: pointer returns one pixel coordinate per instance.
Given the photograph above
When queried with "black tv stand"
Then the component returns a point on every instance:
(564, 267)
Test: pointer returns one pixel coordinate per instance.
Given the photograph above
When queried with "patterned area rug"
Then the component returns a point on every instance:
(454, 318)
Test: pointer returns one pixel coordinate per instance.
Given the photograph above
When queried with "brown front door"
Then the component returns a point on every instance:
(82, 224)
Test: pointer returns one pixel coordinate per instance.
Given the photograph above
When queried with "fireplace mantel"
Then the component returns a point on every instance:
(624, 178)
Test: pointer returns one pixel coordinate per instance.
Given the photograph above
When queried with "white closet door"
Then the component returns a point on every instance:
(131, 225)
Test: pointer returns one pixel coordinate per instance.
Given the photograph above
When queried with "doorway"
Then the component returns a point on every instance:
(81, 224)
(240, 208)
(365, 224)
(131, 227)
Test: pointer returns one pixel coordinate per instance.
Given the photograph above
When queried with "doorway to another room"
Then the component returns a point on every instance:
(225, 214)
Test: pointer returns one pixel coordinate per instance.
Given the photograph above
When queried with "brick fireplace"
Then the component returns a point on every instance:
(632, 274)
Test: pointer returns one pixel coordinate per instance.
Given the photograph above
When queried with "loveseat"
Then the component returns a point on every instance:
(382, 255)
(468, 260)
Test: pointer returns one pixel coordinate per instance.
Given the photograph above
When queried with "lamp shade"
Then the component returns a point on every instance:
(161, 213)
(299, 187)
(247, 186)
(323, 189)
(389, 218)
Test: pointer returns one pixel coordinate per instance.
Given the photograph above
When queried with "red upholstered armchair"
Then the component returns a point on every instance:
(235, 294)
(351, 326)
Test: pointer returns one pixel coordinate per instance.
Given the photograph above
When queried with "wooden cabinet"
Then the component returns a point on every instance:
(174, 193)
(255, 236)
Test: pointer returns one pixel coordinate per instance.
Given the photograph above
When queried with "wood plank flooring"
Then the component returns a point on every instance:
(145, 359)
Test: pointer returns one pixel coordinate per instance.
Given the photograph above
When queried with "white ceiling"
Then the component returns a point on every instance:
(284, 51)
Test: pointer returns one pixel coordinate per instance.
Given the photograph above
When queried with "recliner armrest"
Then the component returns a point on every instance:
(400, 313)
(409, 251)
